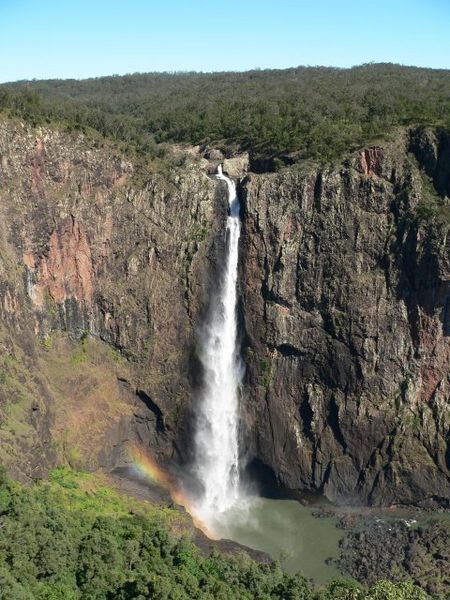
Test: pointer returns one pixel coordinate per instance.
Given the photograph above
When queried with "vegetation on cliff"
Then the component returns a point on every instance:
(279, 116)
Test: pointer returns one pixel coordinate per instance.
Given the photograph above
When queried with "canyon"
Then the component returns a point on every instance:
(107, 268)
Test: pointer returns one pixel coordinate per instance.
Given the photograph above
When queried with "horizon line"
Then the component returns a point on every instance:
(222, 72)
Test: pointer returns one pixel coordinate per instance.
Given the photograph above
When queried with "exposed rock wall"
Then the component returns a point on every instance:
(97, 246)
(346, 293)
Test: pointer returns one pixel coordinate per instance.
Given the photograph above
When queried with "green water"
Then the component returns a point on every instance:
(287, 531)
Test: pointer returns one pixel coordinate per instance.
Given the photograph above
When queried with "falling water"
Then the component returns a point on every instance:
(217, 427)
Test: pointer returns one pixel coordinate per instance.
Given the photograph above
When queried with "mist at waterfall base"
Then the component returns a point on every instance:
(284, 529)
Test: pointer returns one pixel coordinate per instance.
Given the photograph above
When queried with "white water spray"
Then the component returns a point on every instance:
(217, 451)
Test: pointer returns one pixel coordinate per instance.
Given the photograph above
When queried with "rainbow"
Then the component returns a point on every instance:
(148, 467)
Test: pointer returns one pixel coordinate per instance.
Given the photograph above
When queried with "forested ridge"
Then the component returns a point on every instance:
(279, 116)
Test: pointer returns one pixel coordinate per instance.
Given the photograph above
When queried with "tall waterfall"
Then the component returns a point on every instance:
(217, 426)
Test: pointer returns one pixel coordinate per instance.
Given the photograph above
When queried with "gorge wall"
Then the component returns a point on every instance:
(106, 270)
(107, 253)
(348, 333)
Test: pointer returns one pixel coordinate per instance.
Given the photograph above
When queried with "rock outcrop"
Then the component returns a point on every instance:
(344, 306)
(237, 166)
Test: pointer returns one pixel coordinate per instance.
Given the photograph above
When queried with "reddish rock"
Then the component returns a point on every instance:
(67, 269)
(371, 161)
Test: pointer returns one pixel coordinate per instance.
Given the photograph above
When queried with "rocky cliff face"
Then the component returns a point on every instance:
(346, 289)
(101, 249)
(345, 311)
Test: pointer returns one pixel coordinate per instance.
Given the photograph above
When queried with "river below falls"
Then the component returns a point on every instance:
(293, 534)
(300, 536)
(289, 533)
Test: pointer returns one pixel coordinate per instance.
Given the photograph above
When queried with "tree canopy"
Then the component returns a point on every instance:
(73, 538)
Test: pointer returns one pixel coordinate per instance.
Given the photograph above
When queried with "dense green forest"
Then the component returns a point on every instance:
(71, 537)
(279, 116)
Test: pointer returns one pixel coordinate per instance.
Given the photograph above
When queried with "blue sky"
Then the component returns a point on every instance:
(81, 38)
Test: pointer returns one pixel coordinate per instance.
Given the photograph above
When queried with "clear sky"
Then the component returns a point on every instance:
(87, 38)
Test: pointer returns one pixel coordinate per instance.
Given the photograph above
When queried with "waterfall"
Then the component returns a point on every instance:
(216, 441)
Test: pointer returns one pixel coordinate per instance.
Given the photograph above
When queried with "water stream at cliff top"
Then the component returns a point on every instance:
(216, 439)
